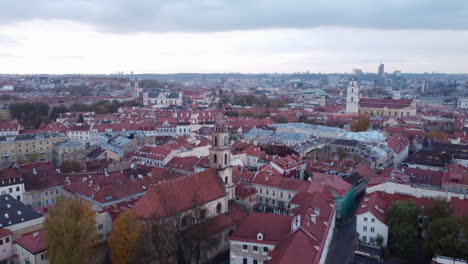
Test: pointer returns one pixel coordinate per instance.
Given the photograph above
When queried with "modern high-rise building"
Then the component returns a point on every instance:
(381, 70)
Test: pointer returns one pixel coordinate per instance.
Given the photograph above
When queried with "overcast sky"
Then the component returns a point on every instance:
(156, 36)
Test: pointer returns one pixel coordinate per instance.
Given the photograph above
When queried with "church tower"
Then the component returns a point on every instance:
(352, 98)
(135, 88)
(220, 155)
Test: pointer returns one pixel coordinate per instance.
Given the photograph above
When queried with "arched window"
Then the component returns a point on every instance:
(216, 141)
(225, 159)
(215, 159)
(352, 98)
(226, 179)
(226, 141)
(219, 207)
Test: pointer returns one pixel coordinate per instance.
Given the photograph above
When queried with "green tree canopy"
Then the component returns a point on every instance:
(30, 115)
(443, 238)
(402, 219)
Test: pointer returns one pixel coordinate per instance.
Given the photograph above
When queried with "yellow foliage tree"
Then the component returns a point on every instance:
(361, 124)
(70, 232)
(124, 239)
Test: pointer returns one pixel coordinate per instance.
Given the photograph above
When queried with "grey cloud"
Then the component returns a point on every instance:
(228, 15)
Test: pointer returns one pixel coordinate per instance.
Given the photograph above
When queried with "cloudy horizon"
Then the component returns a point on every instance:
(92, 36)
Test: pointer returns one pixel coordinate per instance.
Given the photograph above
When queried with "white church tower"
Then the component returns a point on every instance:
(352, 98)
(220, 155)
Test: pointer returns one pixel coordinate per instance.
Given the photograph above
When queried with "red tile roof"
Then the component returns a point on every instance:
(397, 142)
(422, 176)
(273, 228)
(298, 248)
(456, 173)
(382, 103)
(183, 163)
(154, 152)
(181, 194)
(5, 232)
(33, 242)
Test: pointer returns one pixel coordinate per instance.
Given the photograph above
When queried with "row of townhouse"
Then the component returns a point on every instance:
(21, 146)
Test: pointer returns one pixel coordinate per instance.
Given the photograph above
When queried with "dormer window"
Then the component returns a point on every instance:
(260, 236)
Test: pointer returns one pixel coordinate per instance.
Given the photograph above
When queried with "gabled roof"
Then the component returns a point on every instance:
(181, 194)
(384, 103)
(272, 227)
(33, 242)
(298, 248)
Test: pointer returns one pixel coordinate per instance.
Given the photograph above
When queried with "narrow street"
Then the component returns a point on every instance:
(341, 247)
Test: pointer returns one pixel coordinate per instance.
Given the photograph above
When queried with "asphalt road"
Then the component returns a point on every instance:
(341, 248)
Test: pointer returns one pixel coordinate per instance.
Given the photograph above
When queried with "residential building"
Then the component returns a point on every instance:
(69, 151)
(20, 146)
(18, 217)
(6, 246)
(12, 183)
(9, 128)
(5, 112)
(455, 179)
(31, 248)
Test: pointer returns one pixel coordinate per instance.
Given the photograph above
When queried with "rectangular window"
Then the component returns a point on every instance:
(244, 261)
(265, 249)
(372, 220)
(7, 240)
(365, 219)
(372, 230)
(245, 247)
(364, 228)
(364, 238)
(10, 190)
(255, 248)
(100, 226)
(17, 189)
(1, 241)
(255, 261)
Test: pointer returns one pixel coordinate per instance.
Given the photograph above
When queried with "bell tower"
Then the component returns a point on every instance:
(220, 155)
(352, 97)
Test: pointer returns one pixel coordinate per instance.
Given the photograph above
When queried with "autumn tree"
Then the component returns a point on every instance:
(33, 156)
(70, 232)
(126, 238)
(361, 124)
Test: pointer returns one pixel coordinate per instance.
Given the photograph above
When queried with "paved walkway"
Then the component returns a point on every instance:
(341, 247)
